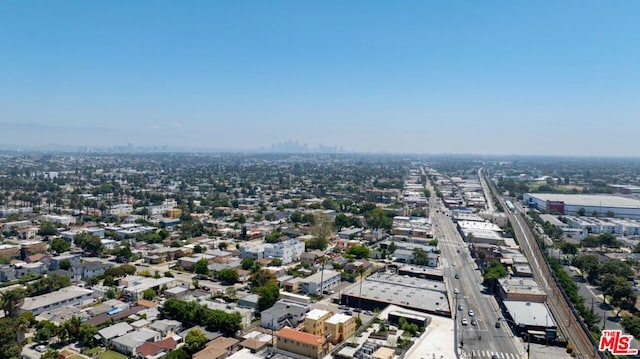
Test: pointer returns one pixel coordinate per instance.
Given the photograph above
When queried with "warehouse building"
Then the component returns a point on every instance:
(572, 204)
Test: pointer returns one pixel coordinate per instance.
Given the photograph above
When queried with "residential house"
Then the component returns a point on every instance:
(66, 296)
(313, 284)
(128, 344)
(301, 343)
(114, 331)
(154, 350)
(87, 270)
(166, 326)
(73, 259)
(283, 313)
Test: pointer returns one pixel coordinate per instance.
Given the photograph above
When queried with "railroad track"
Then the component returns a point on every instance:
(567, 320)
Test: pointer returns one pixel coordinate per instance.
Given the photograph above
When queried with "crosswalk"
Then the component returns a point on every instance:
(487, 354)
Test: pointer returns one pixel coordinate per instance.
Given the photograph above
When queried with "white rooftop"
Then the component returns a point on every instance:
(338, 318)
(316, 314)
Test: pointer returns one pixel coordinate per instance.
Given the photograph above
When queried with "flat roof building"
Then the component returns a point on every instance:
(571, 204)
(73, 295)
(411, 293)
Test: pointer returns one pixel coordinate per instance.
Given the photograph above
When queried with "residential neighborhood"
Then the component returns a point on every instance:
(121, 261)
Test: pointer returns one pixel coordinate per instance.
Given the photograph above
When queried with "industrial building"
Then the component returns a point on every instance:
(379, 291)
(531, 316)
(572, 204)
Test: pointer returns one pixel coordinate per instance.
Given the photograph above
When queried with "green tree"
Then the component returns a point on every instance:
(569, 248)
(268, 294)
(198, 249)
(276, 262)
(179, 353)
(89, 243)
(377, 218)
(359, 251)
(392, 247)
(228, 276)
(194, 341)
(588, 264)
(87, 333)
(342, 221)
(51, 354)
(65, 264)
(59, 245)
(494, 271)
(148, 294)
(10, 300)
(420, 257)
(261, 278)
(247, 263)
(47, 229)
(110, 293)
(201, 267)
(619, 289)
(45, 330)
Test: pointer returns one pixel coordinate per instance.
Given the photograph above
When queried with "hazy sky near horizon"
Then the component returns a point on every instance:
(498, 77)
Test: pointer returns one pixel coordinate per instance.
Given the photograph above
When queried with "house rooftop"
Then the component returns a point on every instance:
(301, 337)
(58, 296)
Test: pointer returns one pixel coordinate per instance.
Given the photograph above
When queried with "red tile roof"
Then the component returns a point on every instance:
(302, 337)
(153, 348)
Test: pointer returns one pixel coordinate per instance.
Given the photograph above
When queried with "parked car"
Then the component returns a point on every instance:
(460, 307)
(464, 321)
(471, 313)
(498, 325)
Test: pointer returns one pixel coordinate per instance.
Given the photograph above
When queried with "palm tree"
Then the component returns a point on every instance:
(10, 300)
(361, 271)
(323, 260)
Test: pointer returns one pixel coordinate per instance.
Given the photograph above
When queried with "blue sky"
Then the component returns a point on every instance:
(490, 77)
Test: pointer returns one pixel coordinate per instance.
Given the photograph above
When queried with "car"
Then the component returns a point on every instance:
(343, 307)
(456, 291)
(457, 276)
(471, 313)
(357, 310)
(460, 307)
(494, 356)
(474, 322)
(41, 348)
(498, 325)
(368, 312)
(348, 312)
(464, 321)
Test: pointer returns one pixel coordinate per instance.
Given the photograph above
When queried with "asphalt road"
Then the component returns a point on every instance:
(484, 339)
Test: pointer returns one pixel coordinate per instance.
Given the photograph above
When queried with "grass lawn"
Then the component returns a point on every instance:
(110, 354)
(91, 351)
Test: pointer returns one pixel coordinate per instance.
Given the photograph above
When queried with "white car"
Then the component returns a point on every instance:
(464, 321)
(471, 313)
(456, 291)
